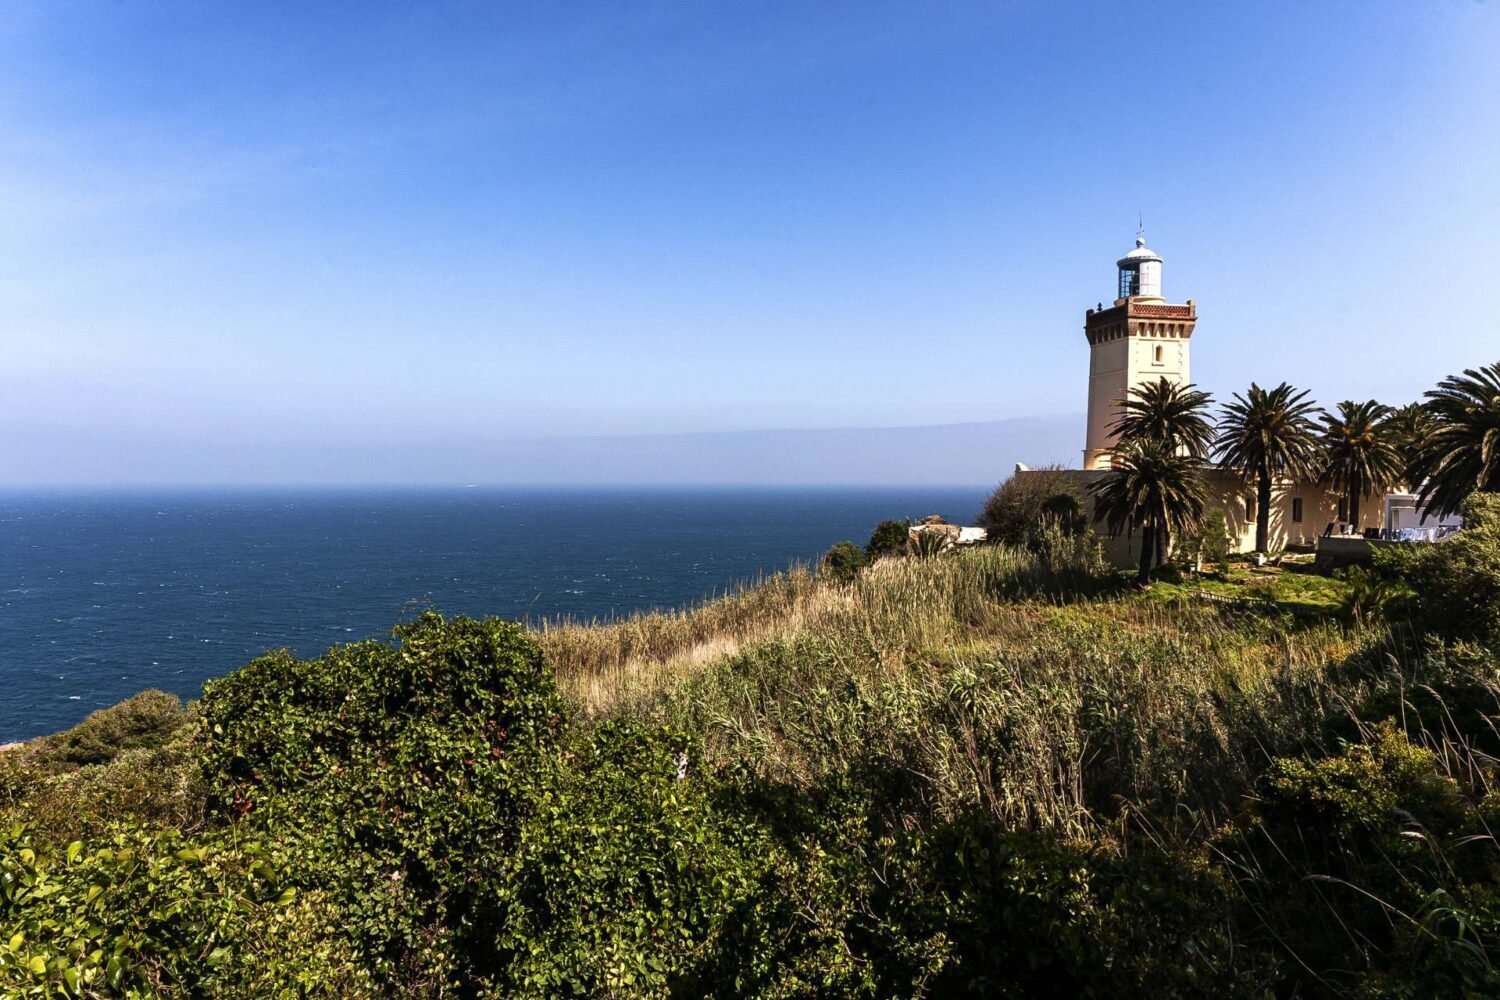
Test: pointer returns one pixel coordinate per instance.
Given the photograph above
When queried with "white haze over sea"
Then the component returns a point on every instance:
(35, 454)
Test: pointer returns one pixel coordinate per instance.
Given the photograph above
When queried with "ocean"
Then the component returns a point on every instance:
(106, 594)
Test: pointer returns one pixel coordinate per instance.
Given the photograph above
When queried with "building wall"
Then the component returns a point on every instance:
(1318, 509)
(1147, 351)
(1109, 376)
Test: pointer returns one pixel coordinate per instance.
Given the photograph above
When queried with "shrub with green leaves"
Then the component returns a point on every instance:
(1369, 592)
(842, 562)
(396, 778)
(472, 842)
(625, 875)
(1454, 583)
(145, 721)
(888, 539)
(1021, 510)
(1373, 871)
(1013, 914)
(133, 762)
(153, 914)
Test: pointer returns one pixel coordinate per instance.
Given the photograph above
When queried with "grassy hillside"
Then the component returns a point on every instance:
(938, 658)
(994, 773)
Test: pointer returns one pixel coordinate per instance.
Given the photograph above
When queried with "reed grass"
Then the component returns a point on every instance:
(896, 605)
(1035, 687)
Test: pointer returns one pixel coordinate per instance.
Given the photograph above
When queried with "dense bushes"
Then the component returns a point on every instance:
(145, 721)
(888, 539)
(145, 914)
(470, 839)
(395, 778)
(625, 875)
(131, 762)
(842, 562)
(1455, 584)
(1014, 914)
(1021, 509)
(940, 786)
(1375, 871)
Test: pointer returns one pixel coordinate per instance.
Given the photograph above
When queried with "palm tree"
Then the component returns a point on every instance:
(1462, 453)
(1267, 435)
(1409, 427)
(1155, 486)
(1359, 452)
(1166, 411)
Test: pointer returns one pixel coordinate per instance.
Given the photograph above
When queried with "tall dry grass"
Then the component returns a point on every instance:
(895, 606)
(603, 664)
(1067, 718)
(1026, 685)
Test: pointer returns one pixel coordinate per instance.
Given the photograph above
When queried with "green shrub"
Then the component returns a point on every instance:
(864, 904)
(625, 876)
(1013, 914)
(1208, 543)
(160, 787)
(1455, 583)
(432, 794)
(144, 721)
(475, 692)
(1369, 592)
(396, 779)
(1371, 867)
(1062, 564)
(1482, 511)
(926, 544)
(888, 539)
(1022, 507)
(133, 762)
(152, 914)
(842, 562)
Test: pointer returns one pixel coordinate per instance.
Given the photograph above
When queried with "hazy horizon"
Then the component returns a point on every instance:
(972, 454)
(342, 242)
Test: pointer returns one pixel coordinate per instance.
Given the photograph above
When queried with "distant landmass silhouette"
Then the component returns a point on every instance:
(948, 453)
(967, 453)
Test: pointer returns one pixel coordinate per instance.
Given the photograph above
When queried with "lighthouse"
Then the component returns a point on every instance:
(1141, 338)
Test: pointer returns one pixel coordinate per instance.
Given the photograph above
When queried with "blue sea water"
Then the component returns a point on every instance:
(106, 594)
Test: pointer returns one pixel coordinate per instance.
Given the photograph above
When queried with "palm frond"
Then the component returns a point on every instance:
(1461, 454)
(1166, 411)
(1271, 433)
(1359, 451)
(1150, 482)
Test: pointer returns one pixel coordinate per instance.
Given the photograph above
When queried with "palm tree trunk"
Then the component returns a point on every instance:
(1354, 510)
(1148, 550)
(1262, 511)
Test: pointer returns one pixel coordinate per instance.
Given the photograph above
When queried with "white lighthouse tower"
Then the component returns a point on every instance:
(1141, 338)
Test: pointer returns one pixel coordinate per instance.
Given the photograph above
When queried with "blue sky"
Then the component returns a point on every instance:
(322, 226)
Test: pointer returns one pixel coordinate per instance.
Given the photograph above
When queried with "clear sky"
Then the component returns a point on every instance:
(323, 226)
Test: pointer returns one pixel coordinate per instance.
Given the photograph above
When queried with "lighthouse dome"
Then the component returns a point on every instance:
(1140, 253)
(1140, 272)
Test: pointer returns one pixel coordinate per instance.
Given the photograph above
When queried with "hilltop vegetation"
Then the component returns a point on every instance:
(1000, 772)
